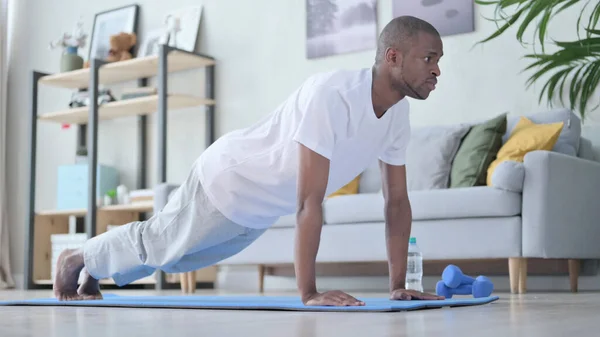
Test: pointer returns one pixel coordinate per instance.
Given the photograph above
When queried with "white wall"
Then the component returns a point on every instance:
(255, 72)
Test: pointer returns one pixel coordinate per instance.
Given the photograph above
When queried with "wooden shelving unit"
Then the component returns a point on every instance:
(136, 207)
(124, 108)
(42, 224)
(129, 70)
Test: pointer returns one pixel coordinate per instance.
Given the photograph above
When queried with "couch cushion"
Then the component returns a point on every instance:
(526, 137)
(430, 154)
(362, 207)
(370, 179)
(462, 202)
(509, 175)
(286, 221)
(349, 188)
(568, 142)
(476, 152)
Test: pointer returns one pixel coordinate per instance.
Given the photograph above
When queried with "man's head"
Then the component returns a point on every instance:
(408, 51)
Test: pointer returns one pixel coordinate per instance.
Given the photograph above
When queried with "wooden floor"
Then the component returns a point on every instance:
(531, 315)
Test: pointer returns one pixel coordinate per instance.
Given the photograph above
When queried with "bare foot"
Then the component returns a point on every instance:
(89, 288)
(68, 267)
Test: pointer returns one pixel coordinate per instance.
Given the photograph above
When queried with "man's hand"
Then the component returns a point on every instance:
(331, 298)
(407, 295)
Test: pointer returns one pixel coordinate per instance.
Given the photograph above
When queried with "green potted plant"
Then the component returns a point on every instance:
(109, 197)
(571, 72)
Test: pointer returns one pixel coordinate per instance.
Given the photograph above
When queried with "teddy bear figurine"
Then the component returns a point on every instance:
(120, 45)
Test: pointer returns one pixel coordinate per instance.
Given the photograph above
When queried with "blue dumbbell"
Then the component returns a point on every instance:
(453, 277)
(481, 287)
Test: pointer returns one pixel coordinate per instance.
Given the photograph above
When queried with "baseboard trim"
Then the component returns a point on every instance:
(488, 267)
(245, 278)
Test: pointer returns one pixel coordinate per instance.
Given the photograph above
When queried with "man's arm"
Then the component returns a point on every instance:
(398, 219)
(312, 184)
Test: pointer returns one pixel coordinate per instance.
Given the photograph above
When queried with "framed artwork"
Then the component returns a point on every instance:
(340, 26)
(111, 22)
(151, 42)
(183, 26)
(448, 17)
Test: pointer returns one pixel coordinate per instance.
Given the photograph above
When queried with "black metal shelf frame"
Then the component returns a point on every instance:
(89, 134)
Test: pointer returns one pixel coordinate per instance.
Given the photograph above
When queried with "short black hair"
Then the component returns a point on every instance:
(399, 33)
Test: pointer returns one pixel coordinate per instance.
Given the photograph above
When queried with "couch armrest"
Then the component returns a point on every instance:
(161, 195)
(561, 210)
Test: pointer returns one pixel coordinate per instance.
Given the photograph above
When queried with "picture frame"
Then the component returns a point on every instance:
(151, 42)
(111, 22)
(336, 27)
(188, 25)
(448, 17)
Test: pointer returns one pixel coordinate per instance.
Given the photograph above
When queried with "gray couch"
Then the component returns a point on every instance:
(553, 215)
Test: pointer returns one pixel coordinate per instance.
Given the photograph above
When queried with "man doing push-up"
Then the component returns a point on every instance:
(322, 136)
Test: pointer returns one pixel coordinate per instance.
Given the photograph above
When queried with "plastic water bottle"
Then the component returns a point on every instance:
(414, 267)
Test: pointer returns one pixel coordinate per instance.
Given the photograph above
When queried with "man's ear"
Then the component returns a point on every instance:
(393, 57)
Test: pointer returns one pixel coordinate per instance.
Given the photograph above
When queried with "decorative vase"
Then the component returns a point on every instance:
(70, 60)
(107, 200)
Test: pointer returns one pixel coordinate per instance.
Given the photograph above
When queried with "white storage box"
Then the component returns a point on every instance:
(61, 242)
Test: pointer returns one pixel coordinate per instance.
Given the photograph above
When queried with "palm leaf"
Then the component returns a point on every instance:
(594, 17)
(577, 62)
(574, 69)
(530, 10)
(594, 31)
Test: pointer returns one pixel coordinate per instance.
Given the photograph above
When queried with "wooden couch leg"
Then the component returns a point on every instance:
(261, 278)
(191, 277)
(522, 275)
(513, 273)
(574, 274)
(184, 282)
(517, 272)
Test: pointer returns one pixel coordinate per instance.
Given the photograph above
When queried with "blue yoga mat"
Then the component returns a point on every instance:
(250, 303)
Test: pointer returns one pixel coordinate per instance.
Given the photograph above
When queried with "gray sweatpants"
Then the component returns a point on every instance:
(188, 234)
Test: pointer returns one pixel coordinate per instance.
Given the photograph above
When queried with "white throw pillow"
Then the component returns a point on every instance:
(430, 154)
(509, 176)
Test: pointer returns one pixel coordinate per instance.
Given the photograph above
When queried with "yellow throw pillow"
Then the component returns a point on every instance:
(349, 188)
(526, 137)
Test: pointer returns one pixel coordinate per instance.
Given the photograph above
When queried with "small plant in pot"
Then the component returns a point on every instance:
(109, 197)
(70, 43)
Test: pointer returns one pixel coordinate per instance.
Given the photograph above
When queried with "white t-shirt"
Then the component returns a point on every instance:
(251, 174)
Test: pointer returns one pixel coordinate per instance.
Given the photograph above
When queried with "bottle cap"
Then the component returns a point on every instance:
(413, 240)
